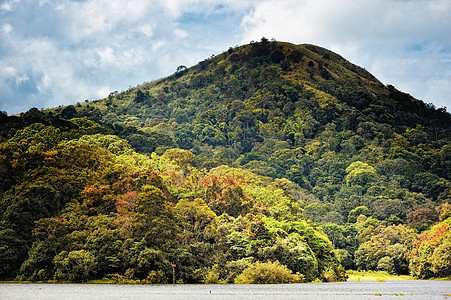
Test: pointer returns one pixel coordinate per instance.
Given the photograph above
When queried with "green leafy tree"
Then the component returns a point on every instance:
(295, 254)
(155, 221)
(360, 173)
(356, 212)
(196, 219)
(382, 247)
(12, 251)
(74, 265)
(315, 211)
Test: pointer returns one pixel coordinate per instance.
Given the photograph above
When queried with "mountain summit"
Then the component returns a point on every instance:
(259, 91)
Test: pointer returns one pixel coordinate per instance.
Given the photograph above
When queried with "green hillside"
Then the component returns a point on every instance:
(262, 159)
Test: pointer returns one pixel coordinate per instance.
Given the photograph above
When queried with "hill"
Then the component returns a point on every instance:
(269, 151)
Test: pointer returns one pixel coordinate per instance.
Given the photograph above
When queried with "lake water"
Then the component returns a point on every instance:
(410, 289)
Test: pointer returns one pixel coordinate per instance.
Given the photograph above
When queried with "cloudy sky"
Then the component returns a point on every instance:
(59, 52)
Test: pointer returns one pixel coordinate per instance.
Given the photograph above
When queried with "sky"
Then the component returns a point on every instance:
(60, 52)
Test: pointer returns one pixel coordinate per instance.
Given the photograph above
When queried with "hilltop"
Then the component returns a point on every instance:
(245, 106)
(264, 158)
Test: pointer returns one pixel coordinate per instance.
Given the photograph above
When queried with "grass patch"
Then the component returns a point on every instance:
(378, 276)
(102, 281)
(380, 279)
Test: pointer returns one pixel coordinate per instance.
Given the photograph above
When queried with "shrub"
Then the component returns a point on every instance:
(156, 277)
(267, 273)
(212, 276)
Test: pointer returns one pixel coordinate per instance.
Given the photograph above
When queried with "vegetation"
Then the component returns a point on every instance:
(270, 162)
(267, 273)
(377, 276)
(82, 205)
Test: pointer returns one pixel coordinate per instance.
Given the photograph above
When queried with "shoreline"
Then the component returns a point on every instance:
(353, 275)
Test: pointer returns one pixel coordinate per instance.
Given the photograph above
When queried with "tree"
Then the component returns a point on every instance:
(112, 143)
(429, 255)
(74, 265)
(225, 195)
(422, 218)
(149, 260)
(356, 212)
(277, 56)
(155, 221)
(68, 112)
(335, 234)
(141, 96)
(181, 157)
(196, 218)
(181, 69)
(184, 138)
(105, 241)
(360, 173)
(382, 247)
(12, 252)
(295, 254)
(386, 208)
(315, 211)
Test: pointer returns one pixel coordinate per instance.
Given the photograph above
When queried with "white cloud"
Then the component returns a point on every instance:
(7, 71)
(103, 92)
(147, 30)
(106, 55)
(177, 8)
(180, 33)
(21, 79)
(7, 28)
(384, 21)
(74, 50)
(93, 18)
(9, 5)
(404, 43)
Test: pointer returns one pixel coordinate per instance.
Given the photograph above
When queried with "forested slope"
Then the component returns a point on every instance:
(267, 152)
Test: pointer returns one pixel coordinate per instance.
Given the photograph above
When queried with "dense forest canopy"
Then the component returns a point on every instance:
(270, 158)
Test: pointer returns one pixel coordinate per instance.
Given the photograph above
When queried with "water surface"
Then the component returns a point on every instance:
(391, 289)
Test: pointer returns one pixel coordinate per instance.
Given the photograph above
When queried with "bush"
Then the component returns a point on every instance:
(267, 273)
(156, 277)
(212, 276)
